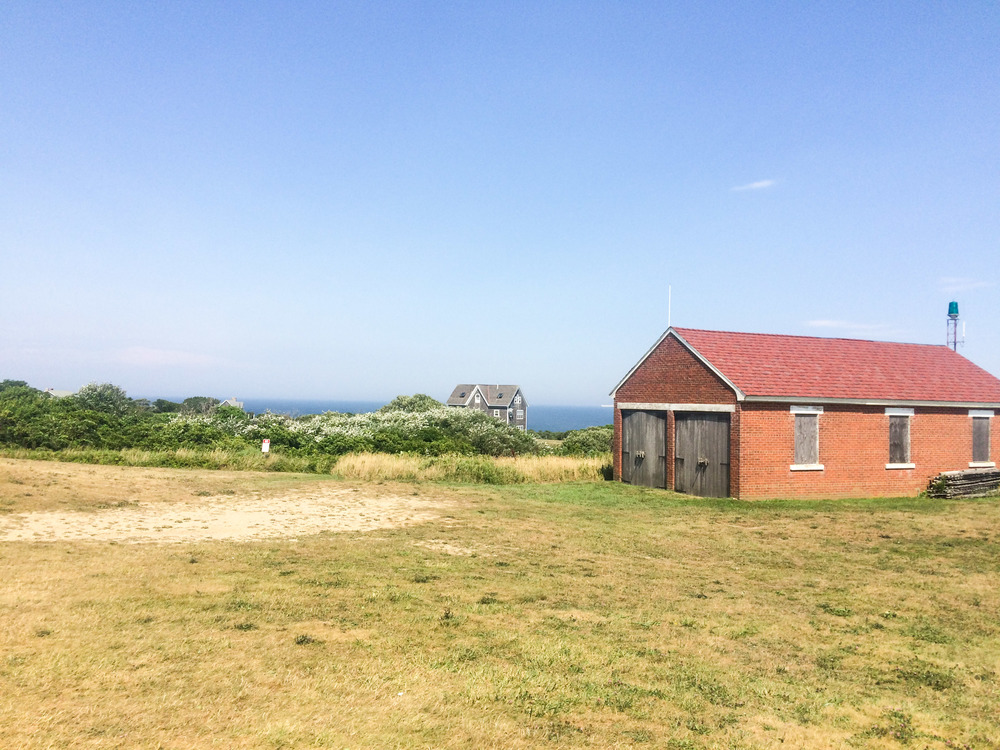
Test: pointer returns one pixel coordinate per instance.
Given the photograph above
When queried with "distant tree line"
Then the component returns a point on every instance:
(102, 416)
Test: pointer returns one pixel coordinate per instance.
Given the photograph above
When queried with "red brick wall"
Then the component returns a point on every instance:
(671, 374)
(854, 449)
(735, 453)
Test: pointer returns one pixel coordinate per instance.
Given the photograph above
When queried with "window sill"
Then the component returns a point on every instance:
(982, 464)
(806, 467)
(900, 466)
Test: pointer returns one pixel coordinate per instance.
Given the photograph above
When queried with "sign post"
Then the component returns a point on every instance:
(265, 446)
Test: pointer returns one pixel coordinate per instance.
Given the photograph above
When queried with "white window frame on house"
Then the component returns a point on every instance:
(520, 413)
(517, 399)
(478, 399)
(496, 413)
(896, 413)
(806, 420)
(978, 417)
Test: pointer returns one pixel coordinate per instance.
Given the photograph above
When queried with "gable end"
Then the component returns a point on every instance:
(664, 342)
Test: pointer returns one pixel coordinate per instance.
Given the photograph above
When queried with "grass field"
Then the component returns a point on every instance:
(580, 614)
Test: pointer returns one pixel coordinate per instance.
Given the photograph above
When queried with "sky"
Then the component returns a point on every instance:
(354, 200)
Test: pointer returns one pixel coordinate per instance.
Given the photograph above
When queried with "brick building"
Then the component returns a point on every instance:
(747, 415)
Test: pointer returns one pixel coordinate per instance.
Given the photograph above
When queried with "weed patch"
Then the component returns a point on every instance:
(920, 672)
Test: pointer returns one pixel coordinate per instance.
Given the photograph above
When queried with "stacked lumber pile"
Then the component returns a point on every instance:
(971, 483)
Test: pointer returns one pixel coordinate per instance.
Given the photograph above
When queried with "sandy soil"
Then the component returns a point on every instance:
(163, 516)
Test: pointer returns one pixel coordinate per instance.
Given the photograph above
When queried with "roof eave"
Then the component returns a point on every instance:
(872, 402)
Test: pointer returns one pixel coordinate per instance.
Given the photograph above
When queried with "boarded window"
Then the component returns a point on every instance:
(899, 440)
(980, 439)
(806, 439)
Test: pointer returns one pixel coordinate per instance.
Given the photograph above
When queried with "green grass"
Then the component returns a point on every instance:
(182, 458)
(567, 615)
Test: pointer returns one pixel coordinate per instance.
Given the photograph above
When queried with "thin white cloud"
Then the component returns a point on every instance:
(953, 284)
(141, 356)
(759, 185)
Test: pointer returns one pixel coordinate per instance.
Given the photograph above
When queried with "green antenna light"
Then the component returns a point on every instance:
(953, 340)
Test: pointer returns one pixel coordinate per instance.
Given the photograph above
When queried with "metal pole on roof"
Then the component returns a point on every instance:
(953, 340)
(669, 290)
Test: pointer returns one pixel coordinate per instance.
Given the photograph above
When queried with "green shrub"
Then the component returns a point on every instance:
(102, 418)
(104, 398)
(477, 470)
(590, 441)
(416, 402)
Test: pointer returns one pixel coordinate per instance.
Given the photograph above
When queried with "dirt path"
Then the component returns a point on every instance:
(159, 515)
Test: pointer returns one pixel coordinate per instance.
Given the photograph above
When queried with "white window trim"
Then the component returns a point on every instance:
(808, 411)
(900, 411)
(982, 414)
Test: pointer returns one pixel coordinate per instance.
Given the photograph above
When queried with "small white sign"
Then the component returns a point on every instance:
(265, 447)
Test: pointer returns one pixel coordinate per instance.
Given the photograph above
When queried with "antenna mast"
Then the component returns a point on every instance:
(952, 337)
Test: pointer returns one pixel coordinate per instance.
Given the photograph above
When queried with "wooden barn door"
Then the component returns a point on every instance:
(701, 454)
(644, 448)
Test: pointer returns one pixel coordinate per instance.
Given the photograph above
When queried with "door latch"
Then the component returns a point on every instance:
(640, 454)
(703, 462)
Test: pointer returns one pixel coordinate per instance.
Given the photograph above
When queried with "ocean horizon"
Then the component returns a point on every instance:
(540, 417)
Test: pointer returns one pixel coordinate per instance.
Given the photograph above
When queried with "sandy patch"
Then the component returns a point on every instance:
(224, 517)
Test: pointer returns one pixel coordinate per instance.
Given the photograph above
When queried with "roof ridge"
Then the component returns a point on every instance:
(680, 329)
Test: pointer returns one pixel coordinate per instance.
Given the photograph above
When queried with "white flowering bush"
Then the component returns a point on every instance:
(431, 431)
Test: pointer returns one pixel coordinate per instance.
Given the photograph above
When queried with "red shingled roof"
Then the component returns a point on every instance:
(761, 364)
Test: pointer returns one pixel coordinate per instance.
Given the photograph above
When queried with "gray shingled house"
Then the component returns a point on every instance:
(505, 402)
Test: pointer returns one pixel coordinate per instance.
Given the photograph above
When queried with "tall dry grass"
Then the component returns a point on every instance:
(476, 469)
(355, 466)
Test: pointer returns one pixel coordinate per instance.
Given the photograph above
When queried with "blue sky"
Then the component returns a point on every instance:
(356, 200)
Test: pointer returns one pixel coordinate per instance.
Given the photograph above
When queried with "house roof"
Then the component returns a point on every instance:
(762, 366)
(497, 396)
